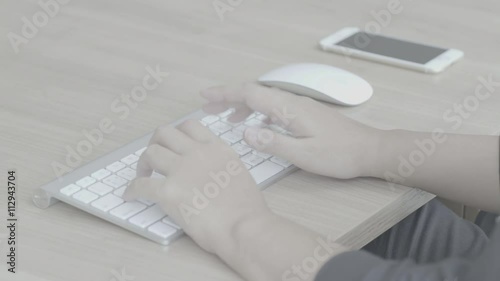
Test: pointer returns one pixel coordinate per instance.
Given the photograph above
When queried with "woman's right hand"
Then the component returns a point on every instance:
(322, 140)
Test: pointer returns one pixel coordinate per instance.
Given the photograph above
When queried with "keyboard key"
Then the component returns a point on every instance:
(170, 222)
(114, 181)
(127, 209)
(261, 154)
(277, 129)
(240, 128)
(127, 173)
(102, 173)
(134, 166)
(240, 134)
(131, 159)
(241, 149)
(161, 229)
(148, 217)
(140, 151)
(226, 113)
(145, 201)
(281, 162)
(231, 123)
(252, 159)
(85, 196)
(119, 192)
(156, 175)
(214, 131)
(210, 119)
(69, 189)
(265, 171)
(107, 202)
(100, 188)
(230, 137)
(261, 117)
(254, 123)
(220, 128)
(116, 166)
(86, 181)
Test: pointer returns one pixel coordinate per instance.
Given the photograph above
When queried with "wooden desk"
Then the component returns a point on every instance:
(66, 77)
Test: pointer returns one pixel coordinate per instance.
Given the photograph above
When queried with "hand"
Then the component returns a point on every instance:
(206, 189)
(212, 196)
(322, 142)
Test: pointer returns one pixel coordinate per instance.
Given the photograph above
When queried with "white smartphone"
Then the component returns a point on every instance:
(351, 41)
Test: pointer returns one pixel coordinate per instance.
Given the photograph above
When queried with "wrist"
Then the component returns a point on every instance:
(375, 163)
(239, 233)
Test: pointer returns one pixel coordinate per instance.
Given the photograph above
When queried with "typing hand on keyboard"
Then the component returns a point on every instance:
(322, 140)
(206, 189)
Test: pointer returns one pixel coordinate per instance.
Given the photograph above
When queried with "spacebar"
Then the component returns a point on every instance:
(264, 171)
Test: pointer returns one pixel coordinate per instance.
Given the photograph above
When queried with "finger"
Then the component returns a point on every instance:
(145, 188)
(281, 106)
(241, 111)
(195, 130)
(277, 144)
(173, 139)
(156, 158)
(215, 108)
(240, 114)
(223, 94)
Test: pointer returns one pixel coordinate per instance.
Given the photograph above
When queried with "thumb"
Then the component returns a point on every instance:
(145, 188)
(268, 141)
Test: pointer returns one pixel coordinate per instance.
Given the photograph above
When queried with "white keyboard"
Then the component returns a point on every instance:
(98, 187)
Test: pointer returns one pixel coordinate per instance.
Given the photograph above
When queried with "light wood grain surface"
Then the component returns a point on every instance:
(91, 52)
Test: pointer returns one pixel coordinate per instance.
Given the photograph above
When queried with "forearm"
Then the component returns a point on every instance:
(463, 168)
(268, 247)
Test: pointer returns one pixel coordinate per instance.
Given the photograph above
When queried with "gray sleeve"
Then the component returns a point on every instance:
(362, 266)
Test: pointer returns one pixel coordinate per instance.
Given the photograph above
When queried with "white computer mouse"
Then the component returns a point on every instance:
(321, 82)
